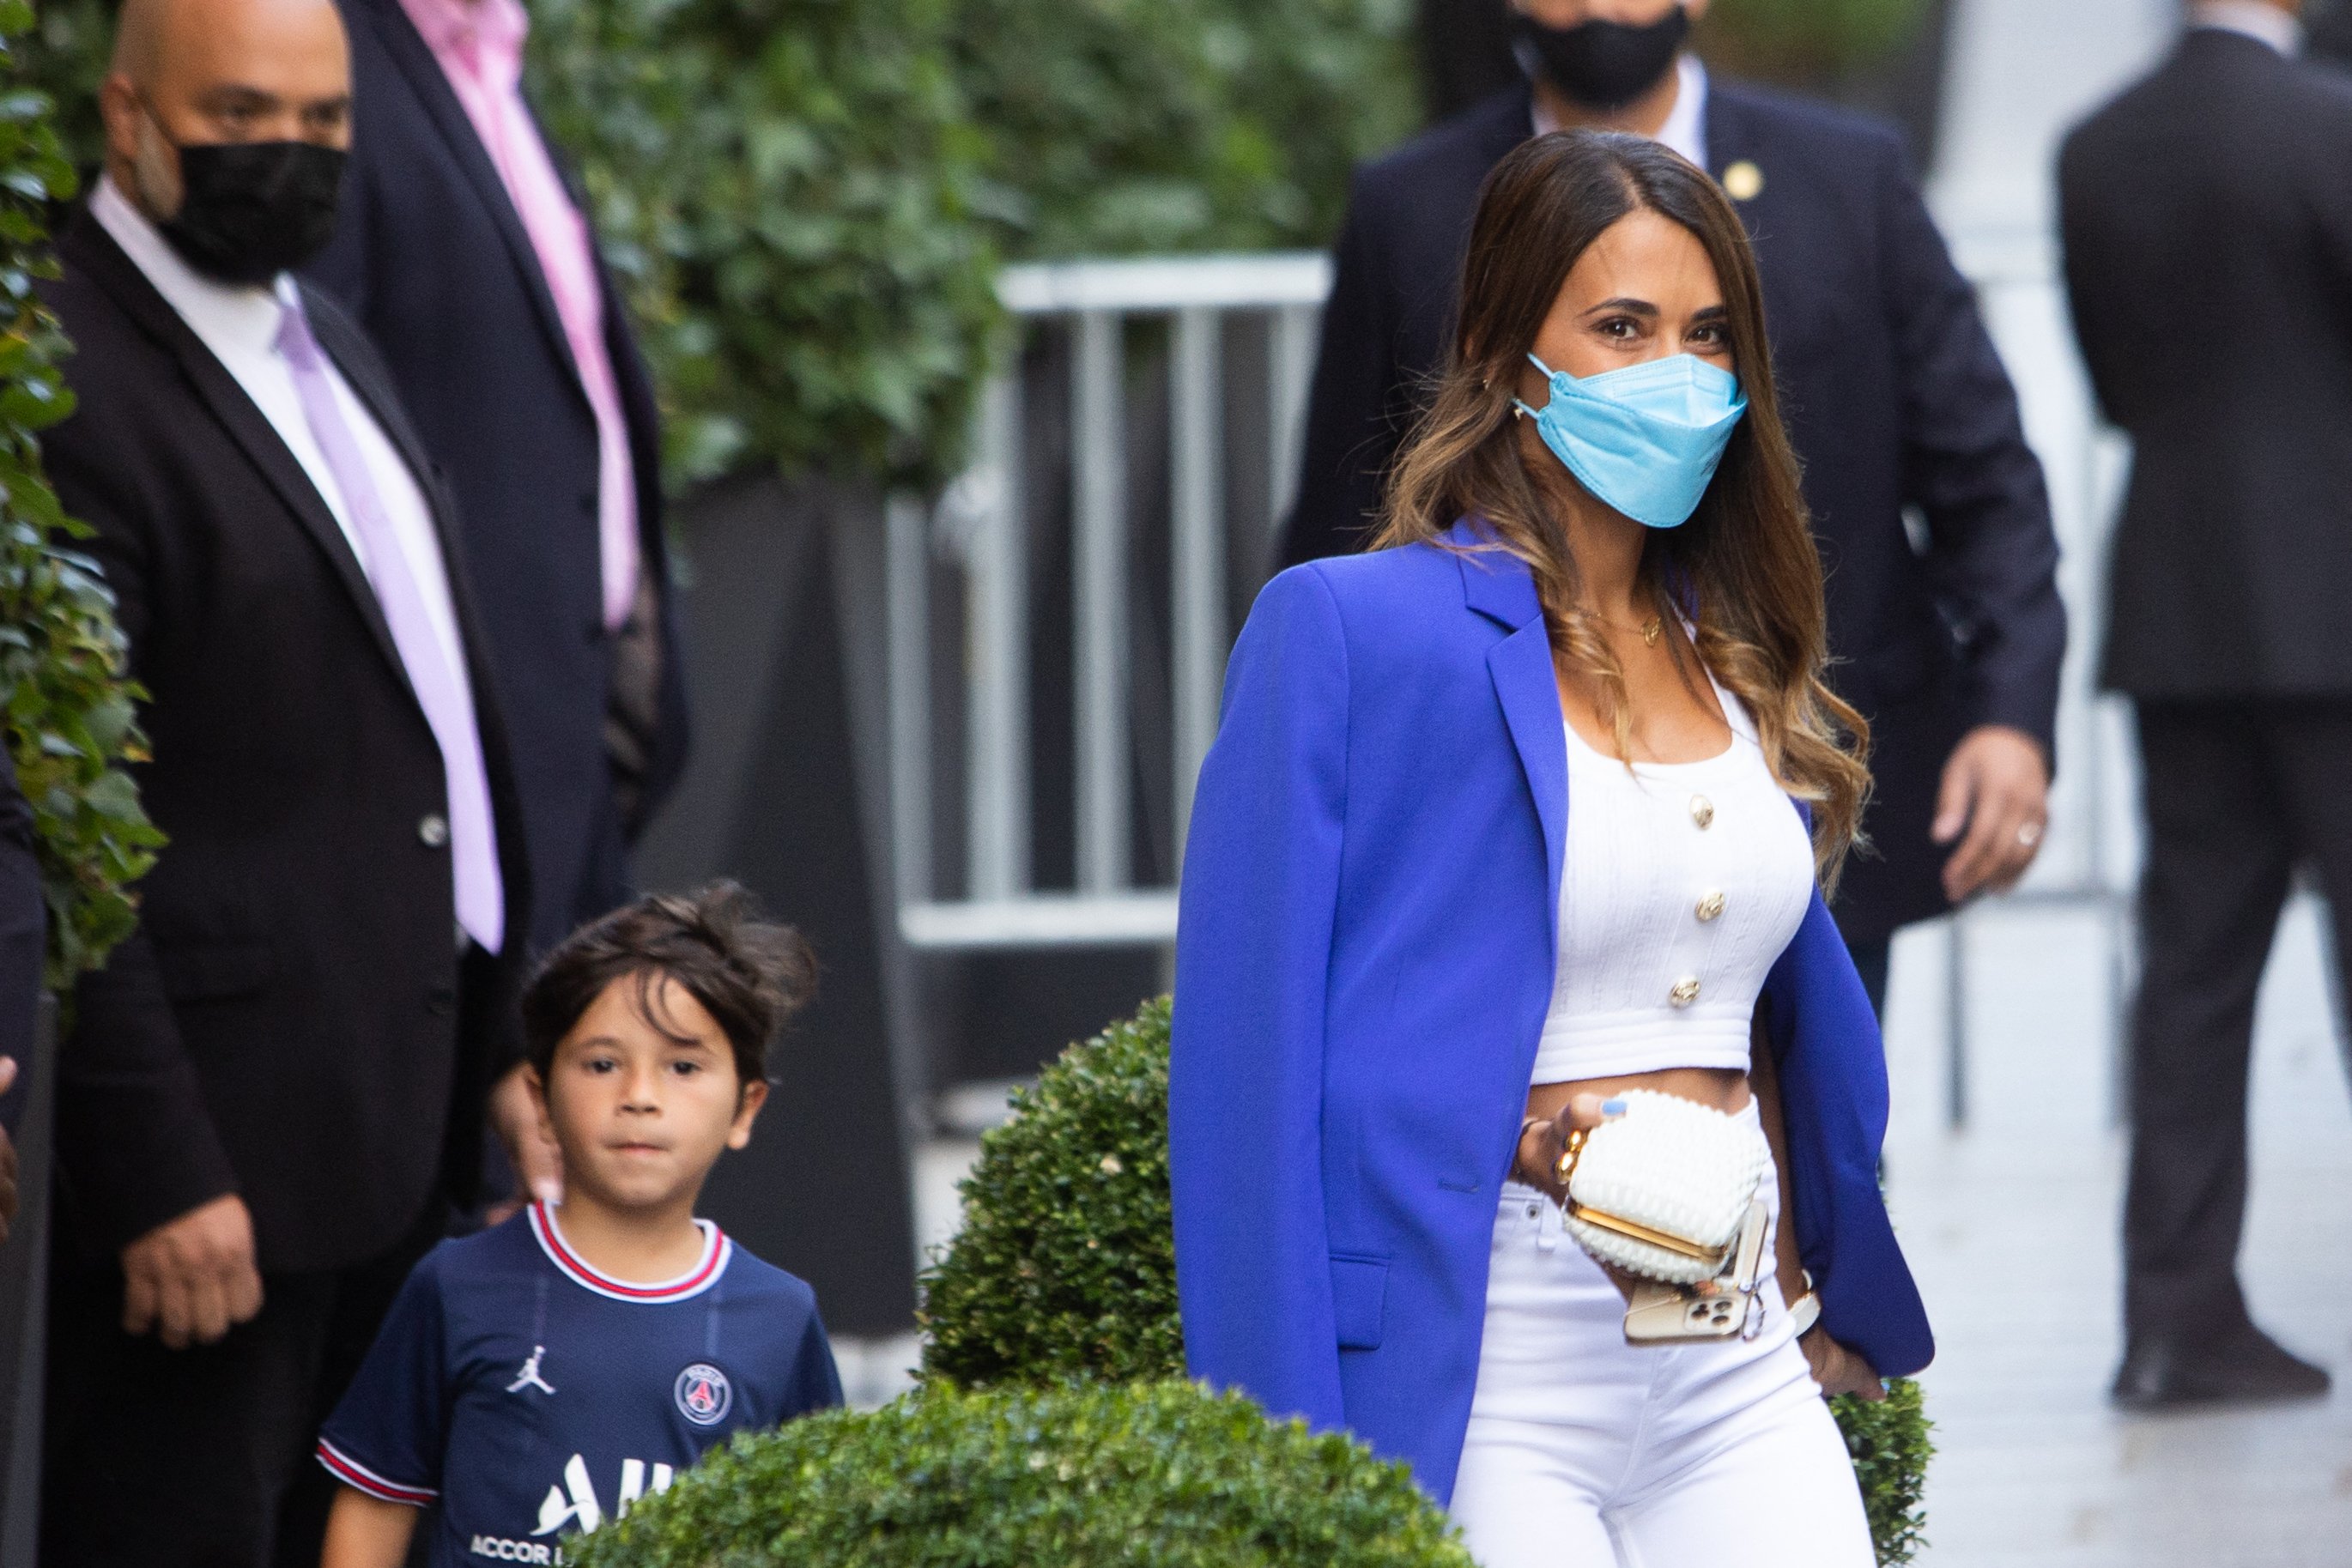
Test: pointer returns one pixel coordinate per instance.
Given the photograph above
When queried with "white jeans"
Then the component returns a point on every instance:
(1584, 1451)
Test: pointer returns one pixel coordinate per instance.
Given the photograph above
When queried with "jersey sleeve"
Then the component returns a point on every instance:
(816, 1381)
(388, 1435)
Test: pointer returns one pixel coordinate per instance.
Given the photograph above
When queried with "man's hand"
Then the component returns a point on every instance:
(7, 1156)
(1997, 788)
(1838, 1370)
(189, 1278)
(530, 1147)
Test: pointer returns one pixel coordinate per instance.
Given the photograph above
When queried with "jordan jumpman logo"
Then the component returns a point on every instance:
(529, 1377)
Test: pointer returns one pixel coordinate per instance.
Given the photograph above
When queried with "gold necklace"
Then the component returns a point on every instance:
(1649, 632)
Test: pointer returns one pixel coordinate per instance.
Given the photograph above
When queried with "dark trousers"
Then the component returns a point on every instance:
(2236, 795)
(201, 1458)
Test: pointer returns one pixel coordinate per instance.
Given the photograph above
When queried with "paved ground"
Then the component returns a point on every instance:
(2010, 1225)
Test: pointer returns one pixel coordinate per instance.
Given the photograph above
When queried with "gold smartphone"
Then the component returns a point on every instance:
(1660, 1313)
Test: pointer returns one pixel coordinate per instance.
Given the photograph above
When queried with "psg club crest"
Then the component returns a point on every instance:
(704, 1395)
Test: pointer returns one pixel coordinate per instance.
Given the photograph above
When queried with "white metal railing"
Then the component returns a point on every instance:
(984, 517)
(2087, 860)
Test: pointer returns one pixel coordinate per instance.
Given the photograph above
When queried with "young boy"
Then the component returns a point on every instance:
(537, 1379)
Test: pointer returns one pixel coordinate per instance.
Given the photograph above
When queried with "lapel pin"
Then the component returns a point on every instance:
(1743, 181)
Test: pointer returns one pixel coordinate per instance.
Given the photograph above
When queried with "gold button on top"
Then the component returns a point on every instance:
(1702, 811)
(1710, 905)
(1743, 182)
(1685, 992)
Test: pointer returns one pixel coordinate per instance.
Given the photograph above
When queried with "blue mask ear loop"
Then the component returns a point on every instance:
(1518, 405)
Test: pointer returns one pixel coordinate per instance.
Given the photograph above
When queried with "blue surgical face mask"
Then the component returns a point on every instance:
(1645, 439)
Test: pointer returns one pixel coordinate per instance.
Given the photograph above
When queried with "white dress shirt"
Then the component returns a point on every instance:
(2266, 24)
(1685, 131)
(239, 324)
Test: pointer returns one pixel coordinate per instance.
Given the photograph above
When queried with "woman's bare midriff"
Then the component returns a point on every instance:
(1724, 1088)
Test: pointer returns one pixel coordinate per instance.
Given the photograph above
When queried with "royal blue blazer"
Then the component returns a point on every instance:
(1364, 957)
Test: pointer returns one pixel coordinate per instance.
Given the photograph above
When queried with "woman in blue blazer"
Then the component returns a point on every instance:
(1599, 584)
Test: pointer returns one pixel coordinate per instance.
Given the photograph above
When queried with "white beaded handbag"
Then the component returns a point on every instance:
(1662, 1190)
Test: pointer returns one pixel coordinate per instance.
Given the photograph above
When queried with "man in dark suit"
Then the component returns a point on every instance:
(276, 1087)
(2207, 215)
(471, 265)
(1893, 397)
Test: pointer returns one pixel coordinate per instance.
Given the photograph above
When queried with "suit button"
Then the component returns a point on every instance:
(441, 1002)
(433, 831)
(1710, 907)
(1685, 992)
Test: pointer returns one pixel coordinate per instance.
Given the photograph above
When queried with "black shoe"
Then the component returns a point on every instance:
(2248, 1367)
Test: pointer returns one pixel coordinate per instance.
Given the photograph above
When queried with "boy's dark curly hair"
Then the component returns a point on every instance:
(749, 973)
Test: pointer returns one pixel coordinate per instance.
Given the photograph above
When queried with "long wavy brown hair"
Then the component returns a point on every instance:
(1743, 570)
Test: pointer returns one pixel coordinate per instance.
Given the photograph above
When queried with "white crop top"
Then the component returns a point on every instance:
(1684, 883)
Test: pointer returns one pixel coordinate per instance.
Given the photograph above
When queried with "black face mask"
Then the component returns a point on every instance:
(251, 210)
(1602, 64)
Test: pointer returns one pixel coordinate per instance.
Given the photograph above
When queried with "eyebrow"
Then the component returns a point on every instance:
(1633, 307)
(675, 1043)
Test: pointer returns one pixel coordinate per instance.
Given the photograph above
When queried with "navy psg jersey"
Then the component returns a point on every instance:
(533, 1398)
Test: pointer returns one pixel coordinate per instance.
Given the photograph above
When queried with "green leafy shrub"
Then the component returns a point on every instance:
(1807, 41)
(1067, 1264)
(809, 199)
(70, 722)
(1123, 127)
(793, 191)
(1891, 1449)
(1089, 1475)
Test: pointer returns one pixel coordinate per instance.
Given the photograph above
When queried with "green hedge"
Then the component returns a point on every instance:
(807, 200)
(71, 726)
(1065, 1265)
(1092, 1476)
(1807, 40)
(793, 193)
(1126, 127)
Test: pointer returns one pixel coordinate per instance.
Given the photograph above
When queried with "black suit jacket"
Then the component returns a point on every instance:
(289, 1021)
(2207, 214)
(431, 257)
(1894, 397)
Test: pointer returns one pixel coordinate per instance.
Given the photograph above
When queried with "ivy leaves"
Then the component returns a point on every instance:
(71, 727)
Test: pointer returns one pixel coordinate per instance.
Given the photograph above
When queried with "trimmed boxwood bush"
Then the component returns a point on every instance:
(1067, 1265)
(1093, 1475)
